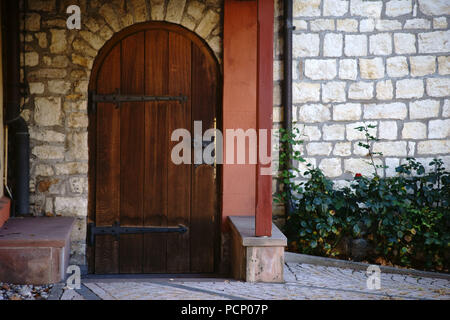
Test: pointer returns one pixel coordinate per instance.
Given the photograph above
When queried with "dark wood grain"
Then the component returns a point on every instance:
(156, 150)
(108, 165)
(204, 95)
(179, 176)
(132, 132)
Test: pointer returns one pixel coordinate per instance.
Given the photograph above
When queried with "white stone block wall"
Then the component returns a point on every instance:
(357, 62)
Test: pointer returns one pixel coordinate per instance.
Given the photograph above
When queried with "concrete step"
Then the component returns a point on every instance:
(35, 250)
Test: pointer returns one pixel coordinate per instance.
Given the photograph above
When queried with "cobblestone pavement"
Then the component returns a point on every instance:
(303, 281)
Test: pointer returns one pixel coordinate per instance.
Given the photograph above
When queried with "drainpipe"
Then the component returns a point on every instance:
(16, 124)
(287, 87)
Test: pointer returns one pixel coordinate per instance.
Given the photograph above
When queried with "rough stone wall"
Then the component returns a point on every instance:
(380, 62)
(56, 67)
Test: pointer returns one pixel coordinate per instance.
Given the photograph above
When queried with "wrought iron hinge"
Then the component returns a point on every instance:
(116, 230)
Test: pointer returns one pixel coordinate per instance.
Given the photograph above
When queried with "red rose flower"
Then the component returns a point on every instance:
(358, 175)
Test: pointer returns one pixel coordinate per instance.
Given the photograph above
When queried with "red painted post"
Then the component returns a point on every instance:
(263, 214)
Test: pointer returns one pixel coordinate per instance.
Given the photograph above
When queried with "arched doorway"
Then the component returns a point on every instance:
(147, 214)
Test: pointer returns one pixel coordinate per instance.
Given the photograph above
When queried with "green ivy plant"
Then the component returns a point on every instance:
(405, 219)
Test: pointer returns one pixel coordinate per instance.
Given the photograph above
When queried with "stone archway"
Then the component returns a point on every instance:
(57, 66)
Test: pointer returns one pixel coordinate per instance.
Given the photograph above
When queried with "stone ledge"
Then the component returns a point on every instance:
(35, 250)
(256, 259)
(245, 228)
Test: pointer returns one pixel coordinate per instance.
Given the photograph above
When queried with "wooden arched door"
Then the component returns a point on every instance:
(147, 214)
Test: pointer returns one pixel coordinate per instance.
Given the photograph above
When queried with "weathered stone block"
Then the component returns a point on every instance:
(361, 90)
(36, 87)
(256, 259)
(70, 168)
(422, 65)
(48, 152)
(371, 68)
(353, 134)
(71, 207)
(47, 111)
(306, 8)
(392, 148)
(439, 129)
(397, 67)
(409, 88)
(362, 166)
(322, 25)
(333, 91)
(335, 7)
(347, 111)
(387, 130)
(46, 135)
(208, 23)
(348, 69)
(175, 10)
(435, 7)
(58, 41)
(347, 25)
(438, 87)
(305, 45)
(319, 148)
(385, 90)
(195, 9)
(423, 109)
(331, 167)
(77, 145)
(314, 113)
(140, 10)
(306, 92)
(342, 149)
(355, 45)
(41, 5)
(440, 23)
(444, 65)
(381, 44)
(434, 42)
(366, 8)
(387, 25)
(59, 87)
(433, 147)
(396, 110)
(404, 43)
(395, 8)
(367, 25)
(333, 44)
(31, 59)
(414, 130)
(333, 132)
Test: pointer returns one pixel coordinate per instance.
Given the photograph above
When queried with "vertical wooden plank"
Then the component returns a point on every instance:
(263, 214)
(107, 204)
(132, 153)
(156, 150)
(179, 176)
(204, 193)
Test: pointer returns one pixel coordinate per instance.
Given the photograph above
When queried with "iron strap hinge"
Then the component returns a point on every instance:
(116, 230)
(117, 98)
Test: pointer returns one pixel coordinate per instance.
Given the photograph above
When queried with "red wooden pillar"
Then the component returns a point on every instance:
(263, 214)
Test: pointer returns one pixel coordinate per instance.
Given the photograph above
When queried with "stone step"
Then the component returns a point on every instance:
(35, 250)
